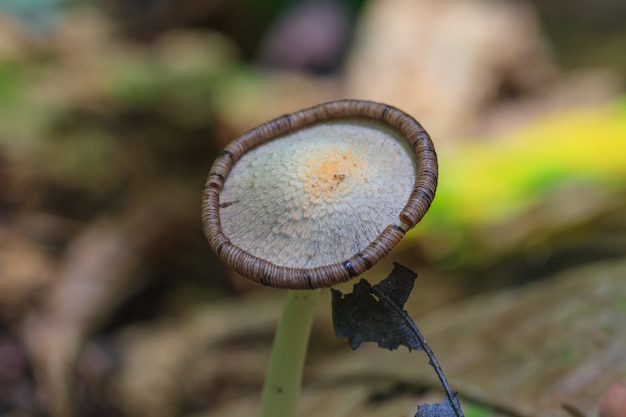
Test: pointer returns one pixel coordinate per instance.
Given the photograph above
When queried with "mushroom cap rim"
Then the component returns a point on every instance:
(270, 274)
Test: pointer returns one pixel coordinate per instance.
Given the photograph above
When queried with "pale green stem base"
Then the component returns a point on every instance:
(284, 374)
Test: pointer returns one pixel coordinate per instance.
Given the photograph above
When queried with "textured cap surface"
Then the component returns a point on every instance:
(319, 195)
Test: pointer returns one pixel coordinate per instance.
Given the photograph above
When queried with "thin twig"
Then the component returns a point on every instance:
(431, 356)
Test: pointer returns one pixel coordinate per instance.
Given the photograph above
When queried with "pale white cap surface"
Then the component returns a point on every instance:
(318, 195)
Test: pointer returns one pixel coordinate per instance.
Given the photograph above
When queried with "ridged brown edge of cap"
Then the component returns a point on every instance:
(269, 274)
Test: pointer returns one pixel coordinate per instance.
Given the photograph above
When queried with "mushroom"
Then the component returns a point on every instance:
(312, 199)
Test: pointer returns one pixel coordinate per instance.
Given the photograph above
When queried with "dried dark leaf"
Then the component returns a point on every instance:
(374, 314)
(443, 409)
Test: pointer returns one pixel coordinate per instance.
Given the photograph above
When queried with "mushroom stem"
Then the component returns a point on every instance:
(284, 374)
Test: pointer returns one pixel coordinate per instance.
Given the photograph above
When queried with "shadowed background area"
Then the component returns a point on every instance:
(112, 111)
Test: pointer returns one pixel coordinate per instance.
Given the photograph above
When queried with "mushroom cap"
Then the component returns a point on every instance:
(317, 197)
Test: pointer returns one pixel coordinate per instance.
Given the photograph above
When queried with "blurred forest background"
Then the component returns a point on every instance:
(111, 112)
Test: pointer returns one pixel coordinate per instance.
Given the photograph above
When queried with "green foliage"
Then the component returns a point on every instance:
(486, 181)
(476, 410)
(12, 85)
(560, 161)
